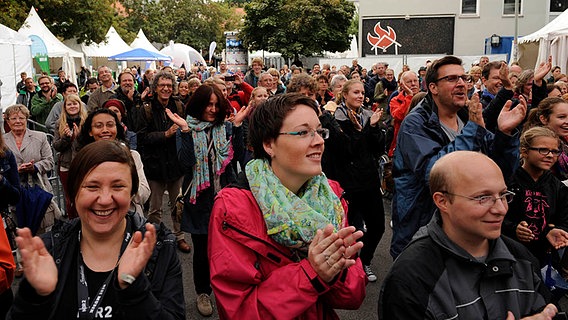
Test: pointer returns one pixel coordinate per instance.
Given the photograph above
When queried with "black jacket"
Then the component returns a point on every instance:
(539, 203)
(159, 154)
(357, 157)
(157, 293)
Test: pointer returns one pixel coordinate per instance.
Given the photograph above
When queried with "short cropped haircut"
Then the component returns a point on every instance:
(432, 72)
(93, 155)
(267, 118)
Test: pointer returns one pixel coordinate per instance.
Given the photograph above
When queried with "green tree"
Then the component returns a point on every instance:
(193, 22)
(88, 21)
(294, 27)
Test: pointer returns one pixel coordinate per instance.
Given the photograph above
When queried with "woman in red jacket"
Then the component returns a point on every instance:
(279, 243)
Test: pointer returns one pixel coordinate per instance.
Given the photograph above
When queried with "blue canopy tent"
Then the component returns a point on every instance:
(140, 54)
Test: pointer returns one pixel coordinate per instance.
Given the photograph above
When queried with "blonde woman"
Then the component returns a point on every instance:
(72, 117)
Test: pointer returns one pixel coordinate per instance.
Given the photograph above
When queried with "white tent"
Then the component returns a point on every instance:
(142, 42)
(55, 48)
(550, 40)
(183, 54)
(16, 57)
(98, 53)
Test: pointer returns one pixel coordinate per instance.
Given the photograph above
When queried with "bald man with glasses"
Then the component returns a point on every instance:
(442, 123)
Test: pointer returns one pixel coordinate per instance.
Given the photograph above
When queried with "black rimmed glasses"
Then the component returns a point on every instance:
(324, 133)
(487, 201)
(453, 78)
(546, 151)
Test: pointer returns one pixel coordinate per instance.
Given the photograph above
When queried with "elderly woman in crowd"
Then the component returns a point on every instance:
(283, 225)
(109, 262)
(33, 154)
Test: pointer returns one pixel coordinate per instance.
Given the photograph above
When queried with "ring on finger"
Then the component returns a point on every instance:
(326, 257)
(329, 264)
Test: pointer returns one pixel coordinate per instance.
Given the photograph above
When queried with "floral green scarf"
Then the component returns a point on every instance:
(292, 220)
(222, 154)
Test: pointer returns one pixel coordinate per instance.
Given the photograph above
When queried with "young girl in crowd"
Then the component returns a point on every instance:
(553, 113)
(72, 118)
(538, 213)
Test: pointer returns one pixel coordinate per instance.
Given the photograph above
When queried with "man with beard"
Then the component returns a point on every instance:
(439, 125)
(44, 100)
(27, 93)
(157, 146)
(131, 98)
(104, 92)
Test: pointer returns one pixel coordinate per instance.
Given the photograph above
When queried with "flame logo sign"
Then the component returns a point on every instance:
(385, 39)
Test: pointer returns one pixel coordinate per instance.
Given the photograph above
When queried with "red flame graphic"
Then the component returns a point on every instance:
(385, 38)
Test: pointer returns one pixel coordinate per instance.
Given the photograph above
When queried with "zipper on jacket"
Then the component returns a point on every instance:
(226, 225)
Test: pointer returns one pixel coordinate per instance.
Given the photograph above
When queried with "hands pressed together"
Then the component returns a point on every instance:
(332, 252)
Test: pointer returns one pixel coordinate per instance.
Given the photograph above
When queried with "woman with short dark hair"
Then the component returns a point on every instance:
(107, 262)
(279, 242)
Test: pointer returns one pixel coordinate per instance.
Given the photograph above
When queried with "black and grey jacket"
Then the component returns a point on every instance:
(156, 293)
(433, 278)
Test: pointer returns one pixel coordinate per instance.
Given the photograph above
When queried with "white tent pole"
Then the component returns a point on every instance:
(516, 41)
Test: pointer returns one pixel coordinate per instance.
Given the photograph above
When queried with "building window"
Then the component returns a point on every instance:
(469, 7)
(558, 5)
(509, 7)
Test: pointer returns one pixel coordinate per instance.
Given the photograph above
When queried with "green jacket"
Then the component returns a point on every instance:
(41, 107)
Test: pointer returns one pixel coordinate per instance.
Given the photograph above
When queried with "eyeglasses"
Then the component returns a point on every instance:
(546, 151)
(454, 78)
(324, 133)
(100, 125)
(487, 201)
(165, 85)
(17, 118)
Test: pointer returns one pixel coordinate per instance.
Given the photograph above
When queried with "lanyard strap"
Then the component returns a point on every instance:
(86, 308)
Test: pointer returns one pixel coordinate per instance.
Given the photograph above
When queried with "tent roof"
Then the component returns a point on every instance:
(113, 44)
(140, 54)
(10, 36)
(55, 48)
(142, 42)
(174, 48)
(554, 28)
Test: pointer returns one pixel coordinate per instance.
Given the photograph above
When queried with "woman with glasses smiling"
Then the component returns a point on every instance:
(279, 243)
(538, 213)
(33, 154)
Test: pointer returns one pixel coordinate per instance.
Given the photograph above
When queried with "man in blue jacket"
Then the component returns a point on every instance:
(439, 125)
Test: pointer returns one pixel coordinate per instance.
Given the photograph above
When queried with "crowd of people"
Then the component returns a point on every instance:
(281, 174)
